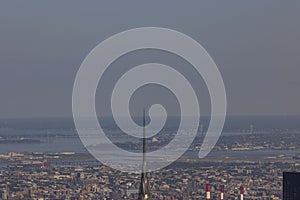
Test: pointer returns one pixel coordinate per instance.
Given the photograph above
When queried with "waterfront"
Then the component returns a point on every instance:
(67, 141)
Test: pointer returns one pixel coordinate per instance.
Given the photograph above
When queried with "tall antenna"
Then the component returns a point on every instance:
(144, 142)
(144, 192)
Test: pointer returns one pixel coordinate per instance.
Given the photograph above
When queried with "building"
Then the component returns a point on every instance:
(291, 186)
(144, 191)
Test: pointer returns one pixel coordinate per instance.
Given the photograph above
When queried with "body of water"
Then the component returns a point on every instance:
(73, 144)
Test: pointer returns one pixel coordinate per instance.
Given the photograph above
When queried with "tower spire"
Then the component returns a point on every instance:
(144, 142)
(144, 192)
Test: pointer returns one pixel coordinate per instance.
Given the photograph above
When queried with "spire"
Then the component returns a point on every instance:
(144, 192)
(144, 142)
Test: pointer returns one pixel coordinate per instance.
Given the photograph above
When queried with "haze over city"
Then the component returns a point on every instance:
(149, 100)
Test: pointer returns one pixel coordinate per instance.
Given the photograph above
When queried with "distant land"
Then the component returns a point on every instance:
(232, 123)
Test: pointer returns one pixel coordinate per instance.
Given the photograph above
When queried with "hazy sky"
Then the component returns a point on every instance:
(255, 44)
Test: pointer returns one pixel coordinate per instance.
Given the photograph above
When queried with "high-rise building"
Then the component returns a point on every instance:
(4, 194)
(207, 191)
(222, 192)
(242, 193)
(144, 191)
(291, 186)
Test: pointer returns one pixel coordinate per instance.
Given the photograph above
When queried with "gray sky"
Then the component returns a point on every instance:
(254, 43)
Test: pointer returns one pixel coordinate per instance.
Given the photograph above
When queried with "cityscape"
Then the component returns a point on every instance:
(249, 159)
(33, 177)
(149, 100)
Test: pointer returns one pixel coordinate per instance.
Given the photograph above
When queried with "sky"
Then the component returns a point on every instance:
(255, 45)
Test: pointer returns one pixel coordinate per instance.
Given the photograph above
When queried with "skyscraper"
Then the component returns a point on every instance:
(291, 186)
(144, 191)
